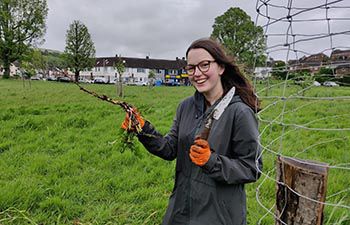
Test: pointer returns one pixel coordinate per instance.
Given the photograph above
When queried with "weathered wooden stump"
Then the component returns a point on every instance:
(300, 178)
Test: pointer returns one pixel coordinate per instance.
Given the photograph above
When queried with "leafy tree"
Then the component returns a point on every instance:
(80, 49)
(28, 69)
(55, 60)
(279, 69)
(22, 24)
(324, 74)
(345, 80)
(242, 39)
(39, 61)
(28, 65)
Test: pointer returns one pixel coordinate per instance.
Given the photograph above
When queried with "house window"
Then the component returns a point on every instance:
(141, 70)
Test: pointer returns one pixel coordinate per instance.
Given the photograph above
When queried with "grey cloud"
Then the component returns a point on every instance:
(164, 28)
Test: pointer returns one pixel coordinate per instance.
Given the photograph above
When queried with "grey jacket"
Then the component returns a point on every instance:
(213, 194)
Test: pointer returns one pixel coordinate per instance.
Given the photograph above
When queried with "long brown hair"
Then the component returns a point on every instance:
(232, 76)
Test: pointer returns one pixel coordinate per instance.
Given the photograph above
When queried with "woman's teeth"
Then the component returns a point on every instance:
(201, 81)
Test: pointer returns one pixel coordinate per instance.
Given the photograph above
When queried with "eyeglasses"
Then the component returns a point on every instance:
(203, 66)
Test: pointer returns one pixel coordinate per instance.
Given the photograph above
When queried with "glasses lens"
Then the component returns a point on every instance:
(204, 66)
(190, 69)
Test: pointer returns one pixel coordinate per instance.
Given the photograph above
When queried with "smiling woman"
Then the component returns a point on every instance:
(212, 169)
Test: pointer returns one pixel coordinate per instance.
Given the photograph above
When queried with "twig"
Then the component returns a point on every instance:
(128, 108)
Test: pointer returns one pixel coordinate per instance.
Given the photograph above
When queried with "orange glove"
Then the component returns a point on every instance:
(200, 152)
(133, 121)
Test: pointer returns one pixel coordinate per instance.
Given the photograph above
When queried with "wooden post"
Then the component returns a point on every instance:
(298, 178)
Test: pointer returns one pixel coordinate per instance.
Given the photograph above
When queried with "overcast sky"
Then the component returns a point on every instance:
(165, 28)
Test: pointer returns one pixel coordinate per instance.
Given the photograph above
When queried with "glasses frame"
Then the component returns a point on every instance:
(197, 66)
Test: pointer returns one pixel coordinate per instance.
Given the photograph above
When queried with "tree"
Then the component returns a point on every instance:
(242, 39)
(151, 77)
(324, 74)
(119, 66)
(279, 69)
(22, 24)
(55, 60)
(80, 49)
(39, 61)
(28, 65)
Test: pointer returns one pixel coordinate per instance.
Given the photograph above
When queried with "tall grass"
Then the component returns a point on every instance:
(61, 160)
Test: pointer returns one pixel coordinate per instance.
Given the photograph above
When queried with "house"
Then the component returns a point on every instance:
(342, 70)
(339, 56)
(312, 63)
(137, 69)
(340, 62)
(14, 69)
(262, 72)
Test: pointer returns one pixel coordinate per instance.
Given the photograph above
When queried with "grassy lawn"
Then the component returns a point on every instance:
(63, 159)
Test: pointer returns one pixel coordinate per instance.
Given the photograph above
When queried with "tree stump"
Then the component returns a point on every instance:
(307, 178)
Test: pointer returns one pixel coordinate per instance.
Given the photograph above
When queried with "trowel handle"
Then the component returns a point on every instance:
(204, 134)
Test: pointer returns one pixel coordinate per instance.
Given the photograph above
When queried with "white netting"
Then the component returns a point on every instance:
(298, 118)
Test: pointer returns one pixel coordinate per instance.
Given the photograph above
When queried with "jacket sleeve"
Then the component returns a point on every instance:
(244, 167)
(163, 146)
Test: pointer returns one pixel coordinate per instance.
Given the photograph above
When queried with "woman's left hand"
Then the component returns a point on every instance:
(200, 152)
(133, 121)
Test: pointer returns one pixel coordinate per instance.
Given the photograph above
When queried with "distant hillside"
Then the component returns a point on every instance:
(46, 51)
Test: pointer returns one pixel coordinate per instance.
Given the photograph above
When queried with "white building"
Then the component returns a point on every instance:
(14, 69)
(137, 69)
(262, 72)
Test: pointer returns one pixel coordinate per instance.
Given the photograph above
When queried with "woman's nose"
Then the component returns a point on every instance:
(197, 72)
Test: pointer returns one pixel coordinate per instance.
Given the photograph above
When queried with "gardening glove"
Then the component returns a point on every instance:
(200, 152)
(133, 121)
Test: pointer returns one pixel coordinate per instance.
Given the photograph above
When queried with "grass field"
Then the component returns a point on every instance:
(63, 161)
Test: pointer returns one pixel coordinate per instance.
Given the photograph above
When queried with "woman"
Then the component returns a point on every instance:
(210, 174)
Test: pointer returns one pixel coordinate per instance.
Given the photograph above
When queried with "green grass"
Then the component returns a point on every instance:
(61, 160)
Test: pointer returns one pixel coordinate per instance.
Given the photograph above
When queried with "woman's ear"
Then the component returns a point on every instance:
(221, 69)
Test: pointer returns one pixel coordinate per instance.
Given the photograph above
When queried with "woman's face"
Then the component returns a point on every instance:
(206, 72)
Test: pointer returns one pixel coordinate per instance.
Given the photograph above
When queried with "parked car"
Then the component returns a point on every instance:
(316, 83)
(51, 78)
(100, 80)
(83, 80)
(113, 81)
(141, 83)
(171, 82)
(35, 78)
(63, 79)
(330, 84)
